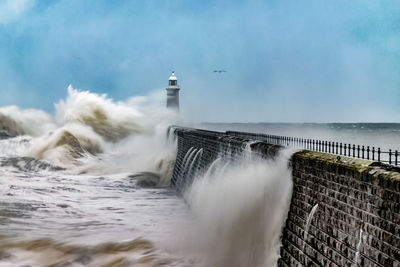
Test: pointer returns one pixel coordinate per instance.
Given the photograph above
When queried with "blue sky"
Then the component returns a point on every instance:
(290, 61)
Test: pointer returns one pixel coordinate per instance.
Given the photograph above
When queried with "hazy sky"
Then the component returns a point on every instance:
(312, 61)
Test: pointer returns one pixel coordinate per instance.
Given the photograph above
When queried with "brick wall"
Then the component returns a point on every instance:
(213, 145)
(355, 198)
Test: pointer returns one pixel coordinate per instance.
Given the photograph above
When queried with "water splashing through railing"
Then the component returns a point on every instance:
(359, 245)
(214, 165)
(308, 223)
(185, 162)
(197, 156)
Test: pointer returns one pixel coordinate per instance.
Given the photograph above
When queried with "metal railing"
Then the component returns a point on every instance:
(338, 148)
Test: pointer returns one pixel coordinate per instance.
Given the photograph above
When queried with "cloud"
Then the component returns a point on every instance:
(11, 10)
(316, 61)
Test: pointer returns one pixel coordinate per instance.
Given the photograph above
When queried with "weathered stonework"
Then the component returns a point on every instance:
(214, 145)
(356, 198)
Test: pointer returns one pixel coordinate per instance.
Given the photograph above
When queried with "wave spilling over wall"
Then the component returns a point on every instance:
(342, 211)
(226, 186)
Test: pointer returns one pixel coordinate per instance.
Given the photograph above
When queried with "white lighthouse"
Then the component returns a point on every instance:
(173, 93)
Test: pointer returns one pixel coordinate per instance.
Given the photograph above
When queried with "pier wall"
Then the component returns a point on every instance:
(357, 220)
(356, 202)
(197, 149)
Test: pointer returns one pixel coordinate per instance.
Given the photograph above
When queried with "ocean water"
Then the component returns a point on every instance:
(90, 186)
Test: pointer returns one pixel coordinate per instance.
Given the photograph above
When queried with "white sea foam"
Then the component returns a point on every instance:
(93, 133)
(237, 210)
(32, 122)
(238, 214)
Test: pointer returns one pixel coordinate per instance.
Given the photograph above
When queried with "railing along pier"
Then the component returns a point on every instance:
(373, 153)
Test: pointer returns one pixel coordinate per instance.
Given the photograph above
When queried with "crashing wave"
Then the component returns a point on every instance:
(113, 121)
(15, 121)
(65, 147)
(9, 127)
(93, 133)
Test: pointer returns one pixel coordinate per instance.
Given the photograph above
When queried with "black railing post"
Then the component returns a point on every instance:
(373, 153)
(390, 156)
(349, 150)
(379, 154)
(363, 149)
(367, 152)
(354, 151)
(337, 147)
(340, 148)
(358, 151)
(396, 154)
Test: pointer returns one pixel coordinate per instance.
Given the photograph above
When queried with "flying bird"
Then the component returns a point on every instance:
(219, 71)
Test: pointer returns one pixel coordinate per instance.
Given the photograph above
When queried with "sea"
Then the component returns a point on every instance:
(89, 185)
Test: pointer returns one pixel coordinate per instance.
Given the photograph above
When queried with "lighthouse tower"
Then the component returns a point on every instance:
(173, 93)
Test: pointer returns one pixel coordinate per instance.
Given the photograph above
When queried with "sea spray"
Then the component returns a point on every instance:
(113, 121)
(238, 214)
(89, 186)
(15, 121)
(92, 133)
(186, 163)
(187, 156)
(358, 248)
(308, 223)
(196, 157)
(213, 166)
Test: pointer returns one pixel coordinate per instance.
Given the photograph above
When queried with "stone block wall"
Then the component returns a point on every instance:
(357, 220)
(213, 145)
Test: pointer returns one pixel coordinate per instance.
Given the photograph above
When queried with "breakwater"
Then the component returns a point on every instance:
(343, 211)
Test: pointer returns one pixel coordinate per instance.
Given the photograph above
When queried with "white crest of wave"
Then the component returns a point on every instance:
(66, 145)
(95, 133)
(238, 215)
(112, 120)
(32, 122)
